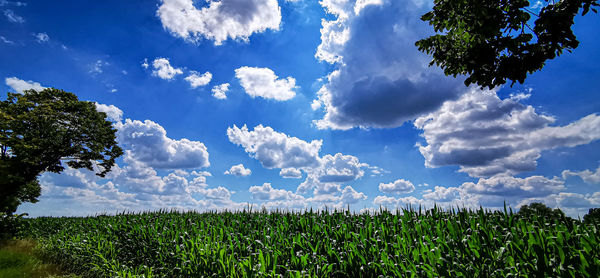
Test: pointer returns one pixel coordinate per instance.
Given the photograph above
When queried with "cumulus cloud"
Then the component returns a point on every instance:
(488, 192)
(147, 142)
(163, 69)
(399, 186)
(442, 194)
(290, 173)
(20, 85)
(262, 82)
(220, 91)
(219, 20)
(266, 192)
(486, 135)
(13, 17)
(219, 193)
(292, 155)
(350, 196)
(326, 178)
(339, 168)
(113, 113)
(197, 80)
(238, 170)
(586, 175)
(41, 37)
(387, 85)
(274, 149)
(508, 186)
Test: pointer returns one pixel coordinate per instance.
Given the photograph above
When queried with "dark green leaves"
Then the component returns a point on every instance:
(39, 131)
(492, 41)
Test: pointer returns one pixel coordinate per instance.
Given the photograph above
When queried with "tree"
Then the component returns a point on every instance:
(491, 41)
(41, 132)
(593, 216)
(541, 211)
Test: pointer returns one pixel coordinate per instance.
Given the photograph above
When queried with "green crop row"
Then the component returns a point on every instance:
(406, 243)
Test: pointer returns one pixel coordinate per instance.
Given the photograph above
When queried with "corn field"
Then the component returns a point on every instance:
(404, 243)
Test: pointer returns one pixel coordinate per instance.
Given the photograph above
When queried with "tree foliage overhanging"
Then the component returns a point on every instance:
(40, 131)
(492, 41)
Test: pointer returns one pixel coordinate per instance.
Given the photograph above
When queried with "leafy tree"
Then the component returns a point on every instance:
(593, 216)
(541, 212)
(42, 131)
(491, 41)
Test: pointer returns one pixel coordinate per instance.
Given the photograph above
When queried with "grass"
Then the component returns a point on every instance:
(18, 259)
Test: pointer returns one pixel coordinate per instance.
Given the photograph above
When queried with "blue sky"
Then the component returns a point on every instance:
(297, 104)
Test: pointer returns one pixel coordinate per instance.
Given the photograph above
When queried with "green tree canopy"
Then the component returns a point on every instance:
(41, 132)
(491, 41)
(541, 211)
(593, 216)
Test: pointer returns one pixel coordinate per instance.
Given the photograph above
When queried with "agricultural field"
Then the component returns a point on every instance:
(406, 243)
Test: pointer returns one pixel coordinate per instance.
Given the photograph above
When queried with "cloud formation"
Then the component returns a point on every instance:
(13, 17)
(586, 175)
(486, 135)
(262, 82)
(238, 171)
(20, 85)
(387, 85)
(290, 173)
(220, 20)
(399, 186)
(41, 37)
(147, 142)
(113, 113)
(164, 70)
(220, 91)
(275, 149)
(196, 80)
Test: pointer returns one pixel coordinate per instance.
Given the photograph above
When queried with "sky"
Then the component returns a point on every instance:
(301, 104)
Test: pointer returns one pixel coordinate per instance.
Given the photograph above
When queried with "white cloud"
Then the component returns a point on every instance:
(96, 67)
(41, 37)
(145, 63)
(196, 80)
(21, 85)
(509, 187)
(274, 149)
(266, 192)
(486, 135)
(5, 40)
(219, 91)
(339, 168)
(12, 17)
(113, 113)
(262, 82)
(12, 3)
(399, 186)
(326, 178)
(290, 173)
(238, 170)
(586, 175)
(387, 85)
(147, 142)
(350, 196)
(220, 20)
(163, 69)
(392, 202)
(442, 194)
(219, 193)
